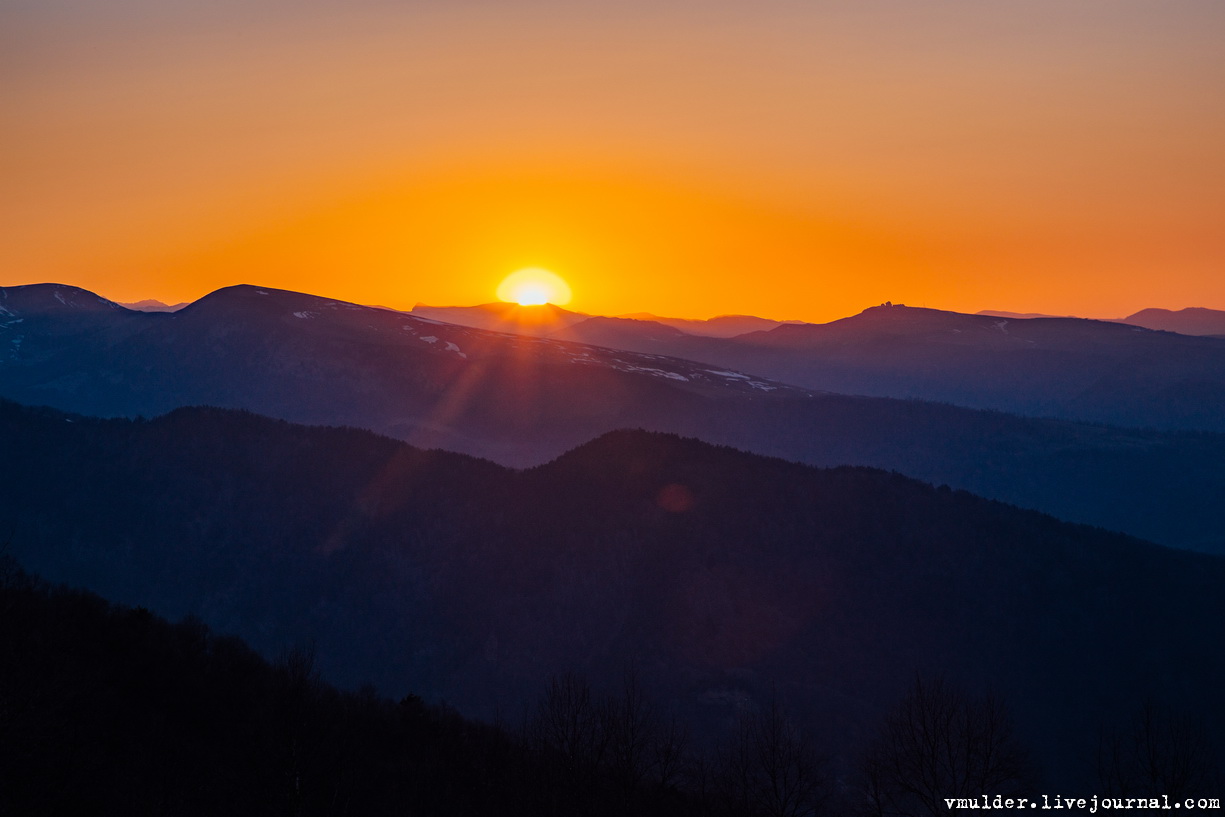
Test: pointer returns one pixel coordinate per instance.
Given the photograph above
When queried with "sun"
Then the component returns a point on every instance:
(534, 286)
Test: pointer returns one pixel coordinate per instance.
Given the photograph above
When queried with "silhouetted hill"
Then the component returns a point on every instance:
(522, 400)
(111, 710)
(37, 300)
(719, 573)
(1189, 321)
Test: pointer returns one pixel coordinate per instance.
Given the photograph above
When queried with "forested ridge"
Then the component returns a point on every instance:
(112, 710)
(728, 580)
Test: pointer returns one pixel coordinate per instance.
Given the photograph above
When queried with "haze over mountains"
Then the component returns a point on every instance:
(720, 574)
(524, 400)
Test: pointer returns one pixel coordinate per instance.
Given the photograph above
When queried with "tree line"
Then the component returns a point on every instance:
(112, 710)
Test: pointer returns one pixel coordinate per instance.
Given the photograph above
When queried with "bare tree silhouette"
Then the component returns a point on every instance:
(939, 743)
(771, 768)
(567, 728)
(1161, 753)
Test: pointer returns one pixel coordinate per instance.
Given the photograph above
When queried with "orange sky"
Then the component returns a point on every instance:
(789, 159)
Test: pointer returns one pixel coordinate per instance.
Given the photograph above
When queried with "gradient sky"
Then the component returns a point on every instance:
(788, 158)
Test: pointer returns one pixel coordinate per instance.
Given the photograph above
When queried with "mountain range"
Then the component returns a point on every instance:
(152, 305)
(524, 400)
(721, 575)
(1171, 378)
(548, 319)
(1067, 368)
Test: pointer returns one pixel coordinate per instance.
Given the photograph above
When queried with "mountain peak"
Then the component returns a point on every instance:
(894, 311)
(237, 291)
(258, 299)
(42, 299)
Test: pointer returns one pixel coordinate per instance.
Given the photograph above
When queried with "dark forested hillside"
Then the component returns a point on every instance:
(720, 574)
(112, 710)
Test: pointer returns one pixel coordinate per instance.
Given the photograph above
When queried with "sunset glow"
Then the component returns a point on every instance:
(533, 287)
(1040, 157)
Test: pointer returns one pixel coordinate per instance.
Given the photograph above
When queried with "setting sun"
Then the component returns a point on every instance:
(534, 286)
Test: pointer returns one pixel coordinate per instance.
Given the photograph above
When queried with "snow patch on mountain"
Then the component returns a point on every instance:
(655, 372)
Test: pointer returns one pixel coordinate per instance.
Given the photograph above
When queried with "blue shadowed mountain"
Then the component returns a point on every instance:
(722, 574)
(1067, 368)
(523, 400)
(1116, 372)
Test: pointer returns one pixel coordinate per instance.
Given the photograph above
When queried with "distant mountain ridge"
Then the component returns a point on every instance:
(495, 316)
(522, 401)
(1071, 368)
(1193, 320)
(1189, 321)
(152, 305)
(721, 326)
(554, 320)
(995, 313)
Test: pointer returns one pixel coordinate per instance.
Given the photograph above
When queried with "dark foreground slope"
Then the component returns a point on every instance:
(719, 573)
(522, 401)
(113, 711)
